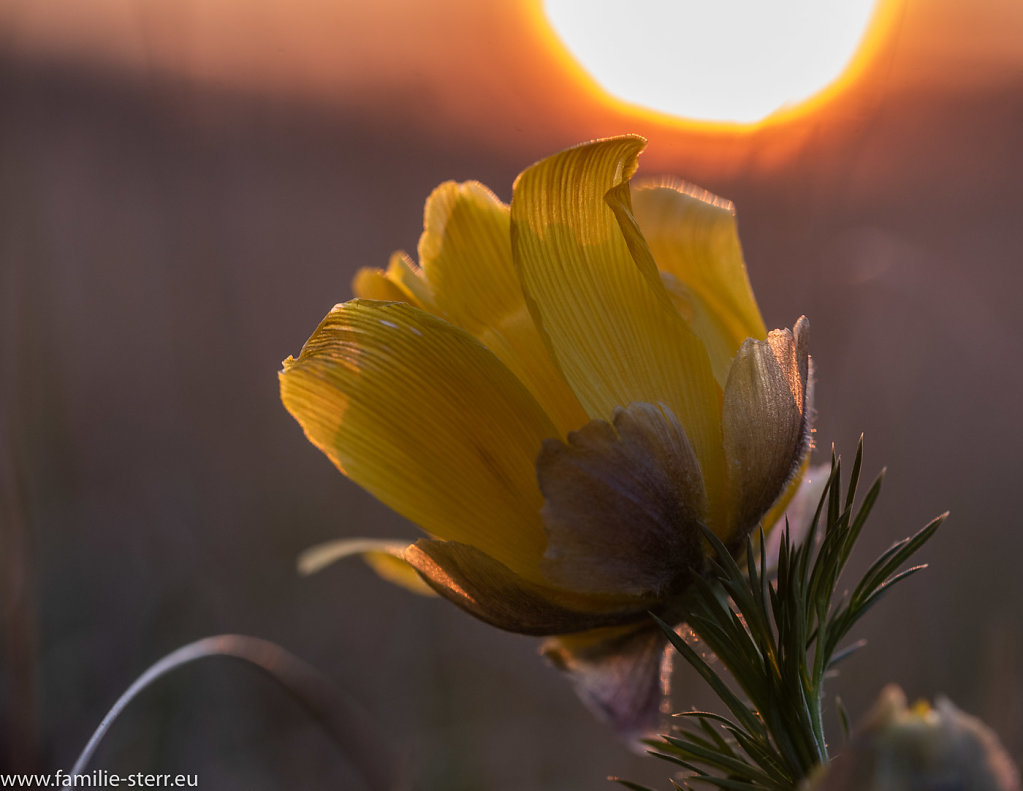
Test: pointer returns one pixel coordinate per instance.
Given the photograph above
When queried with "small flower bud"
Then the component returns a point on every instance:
(922, 748)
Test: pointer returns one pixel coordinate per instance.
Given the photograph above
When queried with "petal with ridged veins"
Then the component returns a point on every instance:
(465, 255)
(373, 283)
(596, 295)
(693, 237)
(402, 281)
(425, 418)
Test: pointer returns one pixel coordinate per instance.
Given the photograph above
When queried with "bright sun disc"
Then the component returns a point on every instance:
(733, 61)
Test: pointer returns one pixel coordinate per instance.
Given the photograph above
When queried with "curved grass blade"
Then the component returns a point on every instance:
(339, 716)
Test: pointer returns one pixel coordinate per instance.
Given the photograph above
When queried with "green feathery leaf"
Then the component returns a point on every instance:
(778, 640)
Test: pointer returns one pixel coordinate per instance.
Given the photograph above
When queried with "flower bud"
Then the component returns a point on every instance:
(922, 748)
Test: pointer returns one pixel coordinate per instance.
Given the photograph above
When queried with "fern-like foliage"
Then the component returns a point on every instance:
(777, 638)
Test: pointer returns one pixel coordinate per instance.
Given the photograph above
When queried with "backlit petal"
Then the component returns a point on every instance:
(370, 283)
(402, 281)
(490, 591)
(384, 557)
(425, 418)
(623, 505)
(765, 423)
(595, 293)
(465, 254)
(693, 237)
(620, 672)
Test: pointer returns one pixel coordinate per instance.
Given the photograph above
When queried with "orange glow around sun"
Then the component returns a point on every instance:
(733, 62)
(499, 74)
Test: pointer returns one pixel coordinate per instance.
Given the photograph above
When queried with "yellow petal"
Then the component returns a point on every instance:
(425, 418)
(370, 283)
(595, 293)
(490, 591)
(465, 254)
(384, 557)
(402, 281)
(765, 423)
(404, 271)
(693, 238)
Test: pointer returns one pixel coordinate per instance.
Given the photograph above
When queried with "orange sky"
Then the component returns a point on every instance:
(459, 67)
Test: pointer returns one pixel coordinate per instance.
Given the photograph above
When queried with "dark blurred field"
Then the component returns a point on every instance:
(164, 244)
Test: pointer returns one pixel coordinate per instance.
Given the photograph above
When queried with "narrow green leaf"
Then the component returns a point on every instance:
(865, 508)
(864, 606)
(698, 734)
(834, 492)
(766, 758)
(629, 785)
(845, 653)
(748, 720)
(733, 765)
(716, 736)
(727, 783)
(843, 717)
(896, 555)
(854, 476)
(678, 761)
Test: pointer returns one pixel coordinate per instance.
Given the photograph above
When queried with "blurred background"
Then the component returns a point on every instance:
(187, 186)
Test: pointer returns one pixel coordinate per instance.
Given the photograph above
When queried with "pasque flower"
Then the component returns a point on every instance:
(560, 394)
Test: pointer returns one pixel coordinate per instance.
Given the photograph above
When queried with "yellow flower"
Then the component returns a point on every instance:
(560, 394)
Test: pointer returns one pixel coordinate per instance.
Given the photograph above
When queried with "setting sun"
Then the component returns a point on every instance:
(732, 61)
